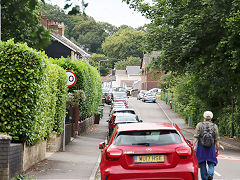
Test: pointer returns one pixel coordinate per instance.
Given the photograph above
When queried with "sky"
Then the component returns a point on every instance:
(112, 11)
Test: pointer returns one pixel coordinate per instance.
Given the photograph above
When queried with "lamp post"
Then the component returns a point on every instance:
(99, 65)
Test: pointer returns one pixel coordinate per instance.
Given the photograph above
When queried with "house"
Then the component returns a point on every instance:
(149, 77)
(126, 78)
(61, 46)
(108, 81)
(122, 78)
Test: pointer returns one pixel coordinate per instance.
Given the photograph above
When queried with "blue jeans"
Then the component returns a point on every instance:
(203, 169)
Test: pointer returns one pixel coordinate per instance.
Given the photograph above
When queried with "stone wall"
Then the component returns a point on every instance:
(54, 143)
(10, 158)
(33, 154)
(85, 124)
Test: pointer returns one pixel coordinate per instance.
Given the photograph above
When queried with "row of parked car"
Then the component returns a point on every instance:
(140, 150)
(107, 93)
(120, 112)
(148, 95)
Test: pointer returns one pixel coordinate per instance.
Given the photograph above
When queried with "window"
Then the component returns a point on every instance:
(120, 119)
(147, 138)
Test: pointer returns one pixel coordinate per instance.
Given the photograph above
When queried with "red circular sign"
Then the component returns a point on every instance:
(72, 78)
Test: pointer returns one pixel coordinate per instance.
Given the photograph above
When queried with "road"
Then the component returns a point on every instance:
(228, 167)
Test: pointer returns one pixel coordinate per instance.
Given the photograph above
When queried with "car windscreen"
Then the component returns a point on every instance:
(125, 111)
(120, 96)
(148, 138)
(120, 119)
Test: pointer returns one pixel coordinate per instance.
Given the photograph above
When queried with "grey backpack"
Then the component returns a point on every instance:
(207, 138)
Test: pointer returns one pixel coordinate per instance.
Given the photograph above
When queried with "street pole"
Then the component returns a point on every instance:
(99, 65)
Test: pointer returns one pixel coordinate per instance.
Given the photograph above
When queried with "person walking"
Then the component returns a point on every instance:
(207, 139)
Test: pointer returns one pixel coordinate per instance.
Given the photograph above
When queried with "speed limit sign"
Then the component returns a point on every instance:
(72, 78)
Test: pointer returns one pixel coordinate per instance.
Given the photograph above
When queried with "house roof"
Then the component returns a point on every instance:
(65, 41)
(133, 70)
(112, 78)
(121, 72)
(148, 58)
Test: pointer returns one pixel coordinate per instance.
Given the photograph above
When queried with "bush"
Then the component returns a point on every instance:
(61, 98)
(29, 93)
(88, 80)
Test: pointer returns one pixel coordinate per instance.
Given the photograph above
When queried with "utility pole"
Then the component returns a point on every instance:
(99, 65)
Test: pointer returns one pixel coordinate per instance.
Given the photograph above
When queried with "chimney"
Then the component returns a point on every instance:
(53, 26)
(44, 21)
(61, 29)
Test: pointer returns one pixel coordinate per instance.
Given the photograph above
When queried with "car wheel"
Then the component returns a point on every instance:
(154, 101)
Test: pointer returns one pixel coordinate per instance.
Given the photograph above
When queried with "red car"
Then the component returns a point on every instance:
(148, 151)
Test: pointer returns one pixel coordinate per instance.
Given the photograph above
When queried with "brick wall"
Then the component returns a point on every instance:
(15, 159)
(10, 158)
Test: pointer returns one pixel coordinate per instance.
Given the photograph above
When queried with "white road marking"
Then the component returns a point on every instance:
(227, 157)
(215, 172)
(165, 113)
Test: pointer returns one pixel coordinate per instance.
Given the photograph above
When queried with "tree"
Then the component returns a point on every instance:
(131, 61)
(83, 30)
(90, 34)
(200, 38)
(105, 65)
(56, 14)
(20, 21)
(124, 43)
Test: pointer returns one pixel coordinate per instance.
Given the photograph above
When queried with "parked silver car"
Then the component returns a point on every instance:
(149, 97)
(141, 94)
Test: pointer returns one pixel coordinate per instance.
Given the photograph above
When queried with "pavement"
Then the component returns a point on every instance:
(81, 158)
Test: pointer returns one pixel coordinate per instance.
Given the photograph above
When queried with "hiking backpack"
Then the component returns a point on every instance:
(207, 138)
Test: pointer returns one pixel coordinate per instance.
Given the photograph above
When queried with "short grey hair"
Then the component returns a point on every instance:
(207, 115)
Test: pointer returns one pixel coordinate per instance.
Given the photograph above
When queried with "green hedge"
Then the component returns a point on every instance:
(30, 89)
(88, 80)
(190, 104)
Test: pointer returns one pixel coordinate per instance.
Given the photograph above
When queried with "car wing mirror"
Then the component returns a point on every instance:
(190, 142)
(102, 145)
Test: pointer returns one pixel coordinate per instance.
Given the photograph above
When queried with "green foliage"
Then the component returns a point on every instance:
(124, 43)
(56, 14)
(61, 98)
(131, 61)
(81, 29)
(200, 38)
(20, 21)
(31, 90)
(88, 80)
(73, 99)
(105, 64)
